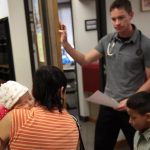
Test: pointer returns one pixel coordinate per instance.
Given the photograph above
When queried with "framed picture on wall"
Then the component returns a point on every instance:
(145, 5)
(90, 24)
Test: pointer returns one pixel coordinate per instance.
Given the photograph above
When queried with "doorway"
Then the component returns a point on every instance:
(45, 49)
(43, 37)
(69, 65)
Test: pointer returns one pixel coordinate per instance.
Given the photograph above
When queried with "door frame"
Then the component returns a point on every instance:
(50, 27)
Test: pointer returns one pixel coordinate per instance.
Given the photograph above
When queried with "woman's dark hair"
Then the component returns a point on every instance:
(126, 4)
(47, 83)
(140, 102)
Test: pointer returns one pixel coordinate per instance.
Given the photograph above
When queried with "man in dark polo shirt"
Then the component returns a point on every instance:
(127, 54)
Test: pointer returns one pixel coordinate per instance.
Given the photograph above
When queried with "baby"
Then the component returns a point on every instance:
(14, 95)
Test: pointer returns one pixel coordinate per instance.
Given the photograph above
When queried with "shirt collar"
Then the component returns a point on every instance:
(133, 37)
(145, 134)
(135, 34)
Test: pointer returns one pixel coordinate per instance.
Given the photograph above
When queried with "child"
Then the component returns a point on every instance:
(138, 107)
(13, 95)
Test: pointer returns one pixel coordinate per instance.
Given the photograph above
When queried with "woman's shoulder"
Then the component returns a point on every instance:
(5, 126)
(7, 118)
(20, 111)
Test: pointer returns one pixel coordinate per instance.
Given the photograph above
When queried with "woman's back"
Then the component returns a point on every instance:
(40, 129)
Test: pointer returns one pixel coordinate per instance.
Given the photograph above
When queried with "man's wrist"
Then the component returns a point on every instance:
(65, 43)
(67, 46)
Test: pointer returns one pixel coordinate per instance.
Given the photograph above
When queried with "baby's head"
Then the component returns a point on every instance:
(138, 108)
(13, 95)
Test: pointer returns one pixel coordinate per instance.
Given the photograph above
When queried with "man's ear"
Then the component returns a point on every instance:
(131, 14)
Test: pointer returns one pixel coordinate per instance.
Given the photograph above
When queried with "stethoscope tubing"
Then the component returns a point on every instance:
(112, 43)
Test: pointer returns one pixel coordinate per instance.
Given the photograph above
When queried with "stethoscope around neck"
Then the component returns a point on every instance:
(112, 43)
(110, 47)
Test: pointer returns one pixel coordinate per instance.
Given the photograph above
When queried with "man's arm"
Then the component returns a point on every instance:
(144, 87)
(79, 57)
(5, 127)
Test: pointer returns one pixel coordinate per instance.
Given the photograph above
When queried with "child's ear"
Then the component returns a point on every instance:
(148, 116)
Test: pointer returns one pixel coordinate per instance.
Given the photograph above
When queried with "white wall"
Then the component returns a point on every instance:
(14, 9)
(3, 9)
(83, 10)
(140, 19)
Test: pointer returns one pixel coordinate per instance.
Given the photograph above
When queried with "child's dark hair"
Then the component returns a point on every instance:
(47, 83)
(140, 102)
(126, 4)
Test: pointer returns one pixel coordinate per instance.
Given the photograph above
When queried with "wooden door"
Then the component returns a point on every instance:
(43, 35)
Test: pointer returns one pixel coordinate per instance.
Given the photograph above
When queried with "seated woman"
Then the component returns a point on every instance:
(14, 95)
(46, 126)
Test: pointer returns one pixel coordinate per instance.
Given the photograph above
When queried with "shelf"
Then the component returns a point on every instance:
(68, 68)
(4, 73)
(71, 92)
(70, 80)
(4, 66)
(71, 89)
(3, 44)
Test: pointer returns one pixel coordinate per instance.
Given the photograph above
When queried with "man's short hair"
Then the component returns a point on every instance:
(126, 4)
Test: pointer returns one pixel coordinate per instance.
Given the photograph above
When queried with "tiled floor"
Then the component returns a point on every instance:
(87, 131)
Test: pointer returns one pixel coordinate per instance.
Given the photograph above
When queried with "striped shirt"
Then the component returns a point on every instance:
(40, 129)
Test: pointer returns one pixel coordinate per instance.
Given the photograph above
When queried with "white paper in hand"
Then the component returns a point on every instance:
(100, 98)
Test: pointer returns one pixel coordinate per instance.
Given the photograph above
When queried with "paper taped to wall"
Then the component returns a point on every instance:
(100, 98)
